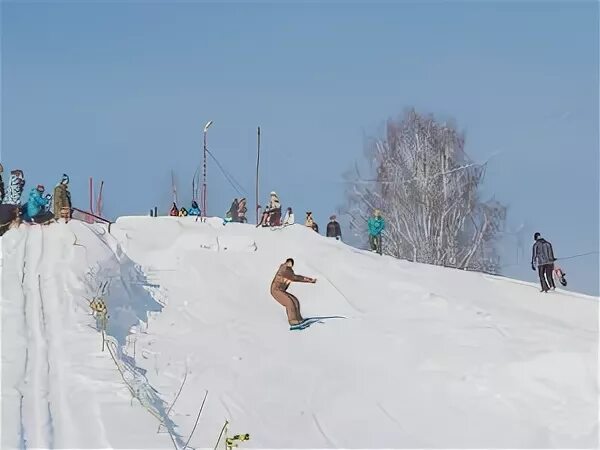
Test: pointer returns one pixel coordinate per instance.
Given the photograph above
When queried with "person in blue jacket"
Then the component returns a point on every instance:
(35, 209)
(376, 226)
(194, 210)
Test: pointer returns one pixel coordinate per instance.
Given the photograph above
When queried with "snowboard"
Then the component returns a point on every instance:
(307, 322)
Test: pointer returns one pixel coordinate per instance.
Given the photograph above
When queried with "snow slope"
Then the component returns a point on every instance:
(427, 356)
(59, 389)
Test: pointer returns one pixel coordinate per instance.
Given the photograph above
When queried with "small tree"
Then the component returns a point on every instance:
(428, 190)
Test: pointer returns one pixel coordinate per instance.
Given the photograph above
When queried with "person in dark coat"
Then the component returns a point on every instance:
(234, 210)
(333, 228)
(542, 255)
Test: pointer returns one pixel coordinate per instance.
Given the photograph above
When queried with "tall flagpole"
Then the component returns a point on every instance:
(257, 165)
(208, 124)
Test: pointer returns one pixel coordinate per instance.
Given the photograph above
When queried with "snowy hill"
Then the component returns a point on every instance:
(426, 356)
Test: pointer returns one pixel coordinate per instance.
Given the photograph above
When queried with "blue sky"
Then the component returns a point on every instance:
(121, 92)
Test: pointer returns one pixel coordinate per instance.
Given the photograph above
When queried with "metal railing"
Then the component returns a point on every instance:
(86, 216)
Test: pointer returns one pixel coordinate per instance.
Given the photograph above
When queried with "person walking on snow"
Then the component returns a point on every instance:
(376, 225)
(542, 255)
(283, 278)
(333, 228)
(62, 197)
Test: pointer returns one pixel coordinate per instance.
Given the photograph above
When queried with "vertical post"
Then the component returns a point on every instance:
(208, 124)
(173, 187)
(91, 195)
(99, 200)
(257, 166)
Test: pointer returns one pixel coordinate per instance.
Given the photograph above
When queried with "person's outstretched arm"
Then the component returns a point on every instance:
(302, 278)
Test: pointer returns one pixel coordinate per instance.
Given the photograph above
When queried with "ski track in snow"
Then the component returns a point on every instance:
(36, 408)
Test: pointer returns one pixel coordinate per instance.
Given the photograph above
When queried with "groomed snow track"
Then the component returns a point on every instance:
(59, 389)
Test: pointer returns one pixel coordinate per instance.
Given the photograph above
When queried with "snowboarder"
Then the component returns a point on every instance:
(174, 210)
(62, 196)
(289, 217)
(194, 210)
(542, 255)
(233, 210)
(1, 183)
(35, 209)
(333, 228)
(283, 278)
(242, 210)
(376, 225)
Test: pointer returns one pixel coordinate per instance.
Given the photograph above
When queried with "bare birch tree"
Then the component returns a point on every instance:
(428, 191)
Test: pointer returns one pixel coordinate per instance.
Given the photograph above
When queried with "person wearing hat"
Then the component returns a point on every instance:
(16, 182)
(35, 209)
(333, 228)
(310, 222)
(62, 198)
(194, 210)
(542, 255)
(233, 210)
(242, 210)
(289, 217)
(274, 210)
(376, 225)
(283, 278)
(10, 209)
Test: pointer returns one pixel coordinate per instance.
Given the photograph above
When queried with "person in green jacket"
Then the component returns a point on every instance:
(376, 226)
(62, 197)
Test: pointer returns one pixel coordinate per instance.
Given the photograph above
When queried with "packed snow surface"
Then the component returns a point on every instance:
(423, 356)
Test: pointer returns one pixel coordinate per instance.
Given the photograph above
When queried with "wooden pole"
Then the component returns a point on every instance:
(204, 186)
(91, 195)
(99, 200)
(257, 166)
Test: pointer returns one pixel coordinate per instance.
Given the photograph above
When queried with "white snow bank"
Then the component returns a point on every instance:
(59, 389)
(427, 356)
